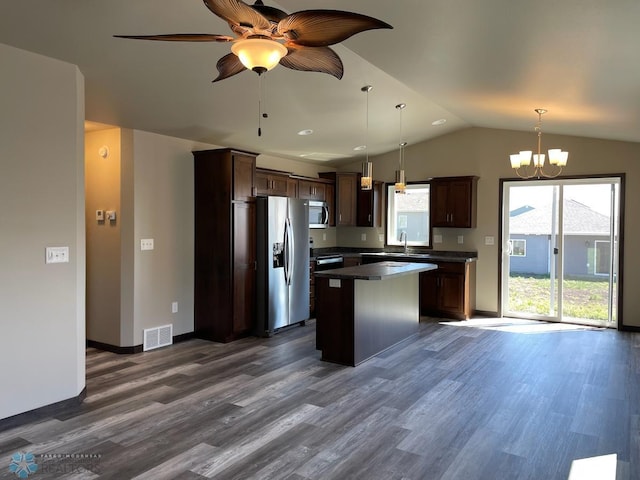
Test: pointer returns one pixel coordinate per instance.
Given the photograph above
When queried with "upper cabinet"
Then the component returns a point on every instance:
(312, 190)
(370, 206)
(271, 182)
(453, 202)
(346, 185)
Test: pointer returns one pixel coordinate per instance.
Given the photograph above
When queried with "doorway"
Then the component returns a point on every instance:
(560, 250)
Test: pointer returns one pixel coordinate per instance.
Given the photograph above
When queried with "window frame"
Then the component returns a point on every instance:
(524, 249)
(390, 216)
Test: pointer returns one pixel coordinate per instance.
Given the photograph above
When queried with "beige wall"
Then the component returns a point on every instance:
(102, 188)
(42, 197)
(484, 152)
(148, 180)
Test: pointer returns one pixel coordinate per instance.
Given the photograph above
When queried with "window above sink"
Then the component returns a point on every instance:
(408, 213)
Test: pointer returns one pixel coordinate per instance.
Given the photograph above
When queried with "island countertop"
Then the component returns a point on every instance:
(377, 271)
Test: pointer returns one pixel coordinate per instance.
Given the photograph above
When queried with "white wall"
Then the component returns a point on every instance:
(42, 196)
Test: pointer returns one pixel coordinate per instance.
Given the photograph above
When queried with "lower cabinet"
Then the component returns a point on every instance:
(449, 291)
(312, 289)
(352, 261)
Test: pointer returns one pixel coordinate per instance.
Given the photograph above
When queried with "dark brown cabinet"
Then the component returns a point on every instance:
(449, 291)
(370, 206)
(312, 289)
(275, 183)
(352, 261)
(346, 191)
(225, 219)
(312, 190)
(453, 202)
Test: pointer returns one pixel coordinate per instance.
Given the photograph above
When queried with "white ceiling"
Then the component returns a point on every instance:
(485, 63)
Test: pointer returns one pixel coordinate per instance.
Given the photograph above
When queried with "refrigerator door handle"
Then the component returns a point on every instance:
(288, 251)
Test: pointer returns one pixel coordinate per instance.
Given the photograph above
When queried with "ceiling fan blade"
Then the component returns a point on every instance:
(238, 13)
(270, 13)
(182, 37)
(313, 59)
(228, 66)
(319, 28)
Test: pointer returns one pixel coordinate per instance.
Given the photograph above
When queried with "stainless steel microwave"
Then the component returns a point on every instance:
(318, 214)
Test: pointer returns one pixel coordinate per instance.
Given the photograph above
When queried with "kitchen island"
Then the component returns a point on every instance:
(364, 310)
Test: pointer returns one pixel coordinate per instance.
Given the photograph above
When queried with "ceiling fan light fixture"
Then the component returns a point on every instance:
(259, 54)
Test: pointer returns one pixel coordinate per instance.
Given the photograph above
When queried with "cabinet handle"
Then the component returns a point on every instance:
(340, 218)
(369, 218)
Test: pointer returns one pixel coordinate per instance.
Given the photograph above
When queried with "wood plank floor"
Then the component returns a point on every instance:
(453, 403)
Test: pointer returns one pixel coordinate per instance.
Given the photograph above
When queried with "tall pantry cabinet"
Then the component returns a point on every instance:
(225, 263)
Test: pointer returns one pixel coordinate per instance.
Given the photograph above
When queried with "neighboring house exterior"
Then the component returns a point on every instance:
(586, 240)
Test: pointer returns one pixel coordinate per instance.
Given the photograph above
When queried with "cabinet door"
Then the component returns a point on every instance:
(451, 293)
(244, 266)
(311, 190)
(428, 292)
(330, 198)
(439, 204)
(370, 206)
(346, 190)
(459, 199)
(262, 183)
(244, 174)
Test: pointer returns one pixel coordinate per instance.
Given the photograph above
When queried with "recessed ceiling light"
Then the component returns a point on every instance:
(440, 121)
(307, 131)
(359, 148)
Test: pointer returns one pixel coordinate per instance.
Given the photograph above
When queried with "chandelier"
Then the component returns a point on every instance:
(521, 162)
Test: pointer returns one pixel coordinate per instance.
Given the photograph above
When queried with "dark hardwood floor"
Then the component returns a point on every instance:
(453, 403)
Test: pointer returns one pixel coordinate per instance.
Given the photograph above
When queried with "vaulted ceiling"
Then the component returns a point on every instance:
(482, 63)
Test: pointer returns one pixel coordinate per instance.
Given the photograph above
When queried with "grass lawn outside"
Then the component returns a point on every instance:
(586, 299)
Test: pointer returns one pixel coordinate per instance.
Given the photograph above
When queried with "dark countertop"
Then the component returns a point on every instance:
(398, 255)
(377, 271)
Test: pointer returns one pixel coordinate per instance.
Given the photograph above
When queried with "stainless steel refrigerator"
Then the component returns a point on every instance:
(283, 263)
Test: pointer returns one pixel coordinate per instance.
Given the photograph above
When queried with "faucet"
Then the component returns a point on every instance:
(403, 238)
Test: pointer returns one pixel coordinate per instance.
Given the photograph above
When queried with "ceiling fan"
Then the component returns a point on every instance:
(267, 36)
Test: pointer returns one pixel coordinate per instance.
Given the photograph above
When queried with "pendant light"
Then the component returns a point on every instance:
(401, 182)
(366, 180)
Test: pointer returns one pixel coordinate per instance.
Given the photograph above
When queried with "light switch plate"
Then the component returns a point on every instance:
(335, 283)
(363, 237)
(437, 239)
(146, 244)
(460, 239)
(174, 307)
(100, 215)
(381, 237)
(57, 255)
(111, 215)
(488, 240)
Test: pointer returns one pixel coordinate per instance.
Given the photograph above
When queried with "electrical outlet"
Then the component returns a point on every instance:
(460, 239)
(489, 240)
(57, 255)
(437, 239)
(146, 244)
(381, 237)
(174, 307)
(324, 237)
(363, 237)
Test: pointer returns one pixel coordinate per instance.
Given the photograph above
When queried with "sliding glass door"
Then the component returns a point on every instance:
(560, 250)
